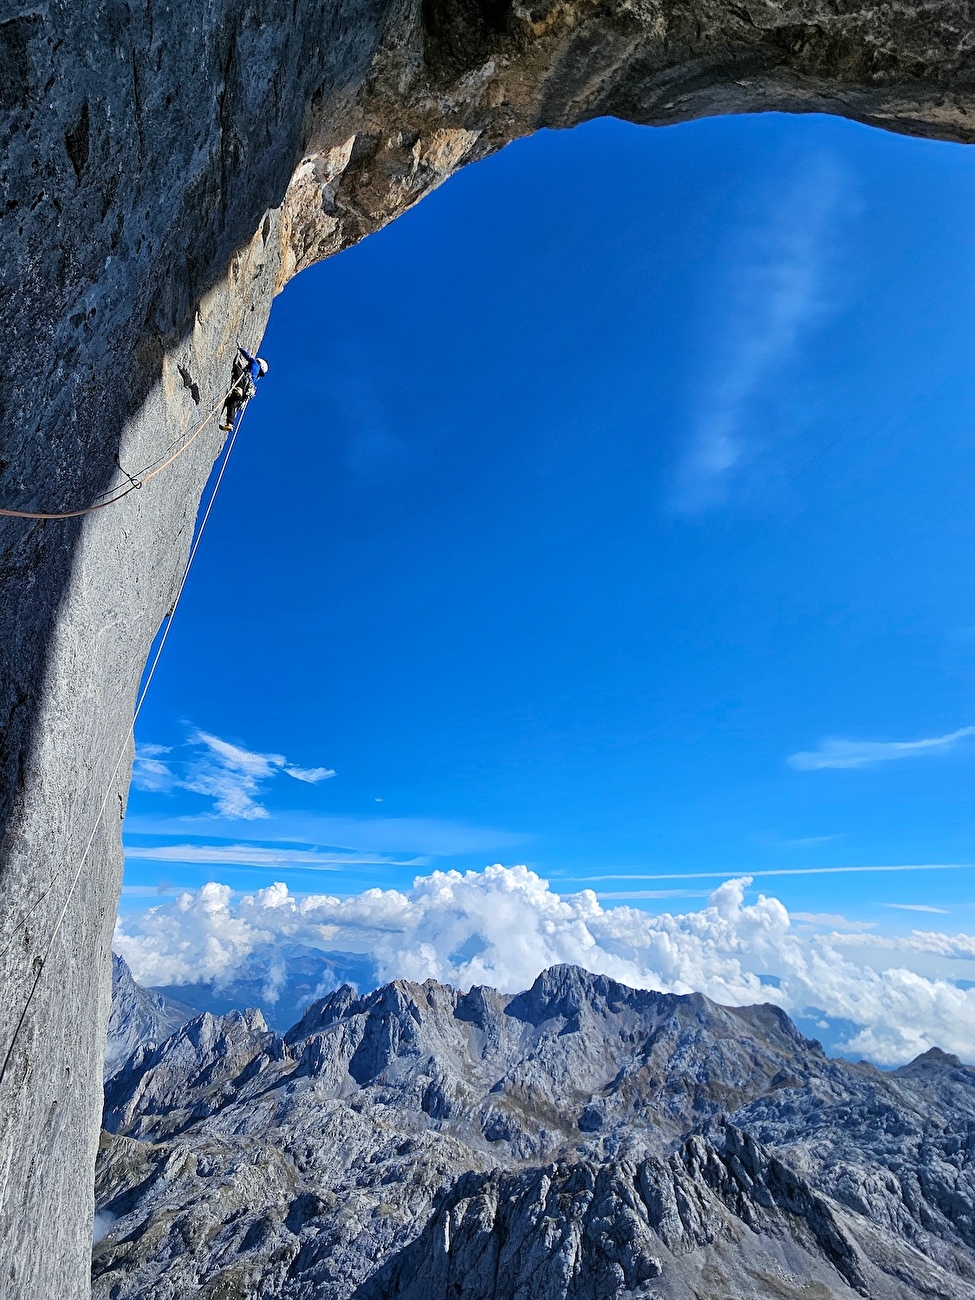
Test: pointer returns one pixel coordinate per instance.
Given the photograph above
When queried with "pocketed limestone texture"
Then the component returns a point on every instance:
(166, 167)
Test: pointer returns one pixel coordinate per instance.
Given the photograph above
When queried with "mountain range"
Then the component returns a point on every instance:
(578, 1141)
(279, 980)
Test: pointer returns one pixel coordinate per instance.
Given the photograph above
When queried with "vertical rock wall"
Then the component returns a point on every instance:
(147, 144)
(165, 168)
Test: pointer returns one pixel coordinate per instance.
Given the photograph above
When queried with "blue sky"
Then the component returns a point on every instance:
(611, 513)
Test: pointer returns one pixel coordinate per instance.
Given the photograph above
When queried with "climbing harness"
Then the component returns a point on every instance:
(41, 963)
(138, 480)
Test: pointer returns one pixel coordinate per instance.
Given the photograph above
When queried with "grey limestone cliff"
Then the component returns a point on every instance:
(166, 167)
(581, 1141)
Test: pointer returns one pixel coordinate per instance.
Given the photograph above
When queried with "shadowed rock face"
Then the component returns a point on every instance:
(165, 169)
(581, 1141)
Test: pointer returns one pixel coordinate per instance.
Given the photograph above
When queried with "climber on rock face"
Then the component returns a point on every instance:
(247, 371)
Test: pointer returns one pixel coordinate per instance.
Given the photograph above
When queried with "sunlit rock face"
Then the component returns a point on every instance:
(139, 1016)
(579, 1141)
(166, 168)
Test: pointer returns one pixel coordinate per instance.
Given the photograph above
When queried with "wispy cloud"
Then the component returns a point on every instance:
(774, 291)
(640, 895)
(791, 871)
(229, 774)
(350, 391)
(956, 947)
(149, 772)
(256, 855)
(919, 907)
(834, 920)
(434, 836)
(806, 842)
(863, 753)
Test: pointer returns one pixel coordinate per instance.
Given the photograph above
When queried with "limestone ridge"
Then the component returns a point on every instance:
(579, 1141)
(139, 1016)
(164, 169)
(280, 984)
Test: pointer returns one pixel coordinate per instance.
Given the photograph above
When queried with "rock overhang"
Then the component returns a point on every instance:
(166, 170)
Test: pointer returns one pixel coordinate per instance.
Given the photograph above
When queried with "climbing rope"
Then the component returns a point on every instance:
(160, 463)
(115, 771)
(138, 480)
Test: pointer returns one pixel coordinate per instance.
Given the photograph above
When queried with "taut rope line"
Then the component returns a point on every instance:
(135, 481)
(111, 783)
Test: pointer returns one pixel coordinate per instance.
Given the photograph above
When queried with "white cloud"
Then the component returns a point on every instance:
(918, 907)
(500, 926)
(255, 855)
(228, 774)
(957, 947)
(775, 293)
(102, 1225)
(835, 920)
(429, 836)
(149, 772)
(862, 753)
(791, 871)
(312, 775)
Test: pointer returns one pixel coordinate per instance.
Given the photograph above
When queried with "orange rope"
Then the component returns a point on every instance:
(42, 963)
(144, 476)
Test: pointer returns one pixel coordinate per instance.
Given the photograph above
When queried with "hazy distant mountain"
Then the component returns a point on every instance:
(281, 980)
(579, 1141)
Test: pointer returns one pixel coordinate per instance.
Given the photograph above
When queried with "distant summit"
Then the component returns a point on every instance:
(578, 1141)
(281, 979)
(139, 1015)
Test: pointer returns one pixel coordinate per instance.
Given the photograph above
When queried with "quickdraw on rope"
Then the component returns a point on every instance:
(137, 480)
(25, 917)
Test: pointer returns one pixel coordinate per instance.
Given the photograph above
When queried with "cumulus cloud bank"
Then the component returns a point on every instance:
(863, 753)
(501, 926)
(229, 774)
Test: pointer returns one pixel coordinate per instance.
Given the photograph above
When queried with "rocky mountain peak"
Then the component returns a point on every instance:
(566, 992)
(575, 1052)
(578, 1141)
(935, 1058)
